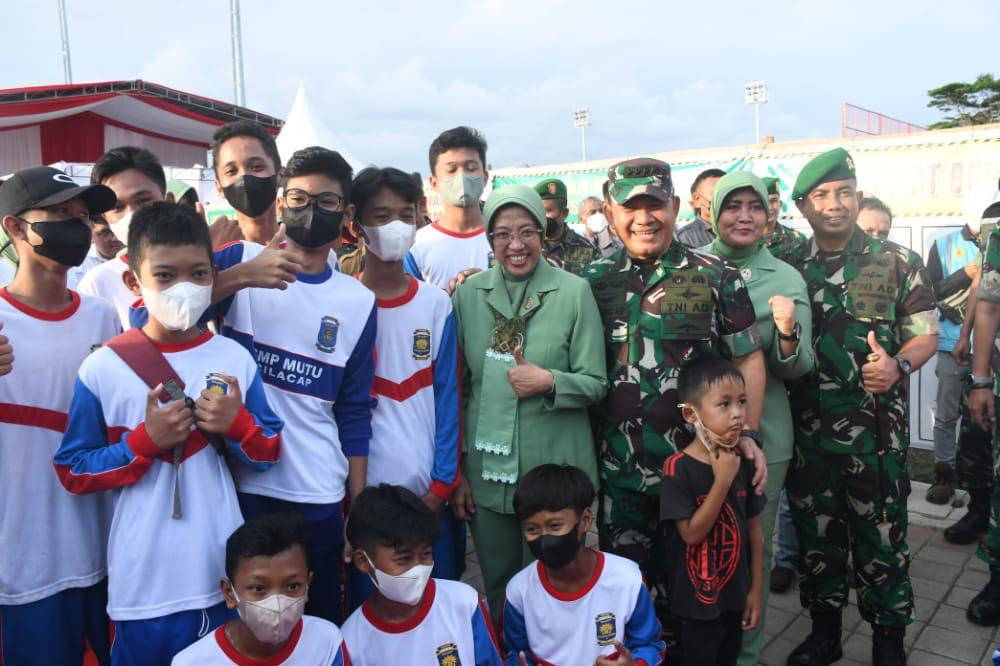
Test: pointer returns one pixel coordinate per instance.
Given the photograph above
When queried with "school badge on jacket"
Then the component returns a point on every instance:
(421, 344)
(326, 340)
(606, 630)
(447, 655)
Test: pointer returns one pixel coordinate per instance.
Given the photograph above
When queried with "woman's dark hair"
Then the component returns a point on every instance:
(552, 487)
(248, 129)
(369, 181)
(699, 374)
(390, 516)
(268, 534)
(165, 223)
(457, 137)
(124, 158)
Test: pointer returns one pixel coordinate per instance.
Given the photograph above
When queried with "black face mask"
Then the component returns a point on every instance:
(65, 241)
(556, 551)
(311, 226)
(252, 195)
(551, 226)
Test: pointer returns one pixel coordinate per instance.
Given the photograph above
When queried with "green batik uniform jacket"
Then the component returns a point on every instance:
(689, 303)
(784, 241)
(571, 252)
(870, 285)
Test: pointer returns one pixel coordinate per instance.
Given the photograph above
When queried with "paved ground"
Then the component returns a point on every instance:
(945, 578)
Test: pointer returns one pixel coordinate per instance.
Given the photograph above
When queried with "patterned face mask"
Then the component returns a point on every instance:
(709, 439)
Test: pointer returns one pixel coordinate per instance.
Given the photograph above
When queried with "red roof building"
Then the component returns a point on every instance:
(78, 122)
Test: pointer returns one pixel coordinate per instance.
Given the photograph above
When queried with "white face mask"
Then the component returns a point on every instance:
(597, 223)
(406, 588)
(120, 228)
(390, 242)
(179, 307)
(709, 439)
(271, 619)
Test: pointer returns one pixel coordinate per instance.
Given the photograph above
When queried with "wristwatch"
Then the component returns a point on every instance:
(752, 434)
(905, 366)
(981, 382)
(793, 336)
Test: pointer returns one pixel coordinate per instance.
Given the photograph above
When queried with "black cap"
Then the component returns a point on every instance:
(41, 187)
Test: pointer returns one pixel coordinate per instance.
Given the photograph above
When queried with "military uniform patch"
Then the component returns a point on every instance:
(606, 628)
(421, 344)
(326, 339)
(447, 655)
(552, 187)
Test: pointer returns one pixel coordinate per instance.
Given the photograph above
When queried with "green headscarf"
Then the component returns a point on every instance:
(522, 195)
(728, 184)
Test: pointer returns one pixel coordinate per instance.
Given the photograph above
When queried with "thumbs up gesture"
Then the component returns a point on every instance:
(527, 379)
(275, 266)
(879, 375)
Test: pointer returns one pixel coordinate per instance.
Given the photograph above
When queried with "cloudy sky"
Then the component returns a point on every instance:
(389, 76)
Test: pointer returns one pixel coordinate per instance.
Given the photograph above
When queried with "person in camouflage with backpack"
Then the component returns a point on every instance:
(874, 322)
(661, 303)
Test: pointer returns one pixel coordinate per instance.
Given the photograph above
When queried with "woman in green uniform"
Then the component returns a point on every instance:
(533, 361)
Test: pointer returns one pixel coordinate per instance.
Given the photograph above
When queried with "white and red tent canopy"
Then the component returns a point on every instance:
(78, 122)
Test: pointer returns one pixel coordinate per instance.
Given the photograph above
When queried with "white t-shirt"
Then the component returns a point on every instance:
(314, 642)
(314, 343)
(159, 565)
(438, 255)
(415, 434)
(576, 628)
(92, 260)
(50, 541)
(449, 627)
(106, 282)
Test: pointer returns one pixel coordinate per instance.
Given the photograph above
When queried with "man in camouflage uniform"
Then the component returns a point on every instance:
(984, 608)
(778, 238)
(563, 247)
(661, 303)
(874, 322)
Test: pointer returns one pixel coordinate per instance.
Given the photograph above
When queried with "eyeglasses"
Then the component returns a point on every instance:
(524, 235)
(297, 198)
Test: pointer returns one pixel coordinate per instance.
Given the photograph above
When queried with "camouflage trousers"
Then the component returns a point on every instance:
(628, 524)
(989, 548)
(974, 460)
(836, 505)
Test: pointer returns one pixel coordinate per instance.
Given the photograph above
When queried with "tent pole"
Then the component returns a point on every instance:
(64, 35)
(237, 45)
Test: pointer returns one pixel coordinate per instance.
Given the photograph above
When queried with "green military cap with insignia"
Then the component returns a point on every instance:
(642, 176)
(773, 185)
(551, 188)
(836, 164)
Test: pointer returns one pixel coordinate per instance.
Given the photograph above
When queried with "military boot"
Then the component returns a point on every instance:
(887, 646)
(976, 520)
(822, 645)
(944, 484)
(984, 609)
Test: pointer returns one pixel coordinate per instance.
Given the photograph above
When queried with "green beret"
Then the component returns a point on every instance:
(551, 188)
(522, 195)
(642, 176)
(773, 185)
(836, 164)
(737, 180)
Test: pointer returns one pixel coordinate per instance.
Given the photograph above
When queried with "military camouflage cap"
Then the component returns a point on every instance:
(773, 185)
(642, 176)
(836, 164)
(521, 195)
(551, 188)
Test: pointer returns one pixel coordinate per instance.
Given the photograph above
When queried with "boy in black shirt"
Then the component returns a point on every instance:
(710, 514)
